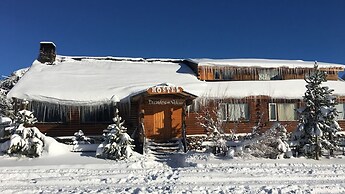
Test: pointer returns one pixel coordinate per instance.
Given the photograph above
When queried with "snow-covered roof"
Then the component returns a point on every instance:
(47, 42)
(88, 81)
(264, 63)
(94, 81)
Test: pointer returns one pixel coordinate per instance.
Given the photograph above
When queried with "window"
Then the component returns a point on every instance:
(272, 111)
(341, 111)
(282, 111)
(216, 74)
(233, 112)
(222, 74)
(269, 74)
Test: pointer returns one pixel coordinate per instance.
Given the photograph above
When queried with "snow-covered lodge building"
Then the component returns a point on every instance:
(70, 93)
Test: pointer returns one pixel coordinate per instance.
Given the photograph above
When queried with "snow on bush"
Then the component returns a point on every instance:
(5, 123)
(27, 141)
(80, 138)
(212, 124)
(117, 144)
(318, 126)
(271, 144)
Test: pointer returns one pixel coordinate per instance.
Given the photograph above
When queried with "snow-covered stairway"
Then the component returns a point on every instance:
(166, 147)
(169, 152)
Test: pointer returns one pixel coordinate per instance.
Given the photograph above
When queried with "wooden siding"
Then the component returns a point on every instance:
(258, 112)
(165, 121)
(68, 129)
(207, 73)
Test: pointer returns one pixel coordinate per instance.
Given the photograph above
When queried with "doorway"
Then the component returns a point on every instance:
(163, 122)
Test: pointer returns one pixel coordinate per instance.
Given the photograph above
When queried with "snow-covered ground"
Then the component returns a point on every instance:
(183, 173)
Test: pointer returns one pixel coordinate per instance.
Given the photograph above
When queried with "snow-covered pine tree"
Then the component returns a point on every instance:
(80, 138)
(117, 144)
(6, 84)
(24, 140)
(318, 125)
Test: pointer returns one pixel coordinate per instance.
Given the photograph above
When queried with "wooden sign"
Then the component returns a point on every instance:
(165, 102)
(164, 90)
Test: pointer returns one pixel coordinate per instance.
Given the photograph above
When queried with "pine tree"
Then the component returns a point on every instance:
(318, 124)
(117, 144)
(24, 140)
(6, 84)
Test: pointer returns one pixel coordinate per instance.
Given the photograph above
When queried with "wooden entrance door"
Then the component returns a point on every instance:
(163, 122)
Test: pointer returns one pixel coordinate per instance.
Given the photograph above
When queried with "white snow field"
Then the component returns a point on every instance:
(182, 173)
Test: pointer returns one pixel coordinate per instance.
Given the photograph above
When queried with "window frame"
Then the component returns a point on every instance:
(342, 112)
(270, 113)
(227, 112)
(277, 116)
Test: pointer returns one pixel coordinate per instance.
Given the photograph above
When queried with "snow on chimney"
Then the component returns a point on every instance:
(47, 52)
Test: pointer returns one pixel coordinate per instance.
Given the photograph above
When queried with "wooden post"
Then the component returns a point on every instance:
(184, 134)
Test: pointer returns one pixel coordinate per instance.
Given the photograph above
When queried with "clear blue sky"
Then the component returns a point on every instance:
(282, 29)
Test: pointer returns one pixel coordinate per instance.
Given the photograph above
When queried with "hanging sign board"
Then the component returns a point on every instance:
(165, 102)
(164, 90)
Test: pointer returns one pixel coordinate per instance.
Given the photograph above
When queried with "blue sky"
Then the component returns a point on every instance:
(280, 29)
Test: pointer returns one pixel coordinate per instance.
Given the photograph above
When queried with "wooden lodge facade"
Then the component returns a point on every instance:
(168, 105)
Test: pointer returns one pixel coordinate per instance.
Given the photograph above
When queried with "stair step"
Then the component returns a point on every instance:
(163, 144)
(161, 148)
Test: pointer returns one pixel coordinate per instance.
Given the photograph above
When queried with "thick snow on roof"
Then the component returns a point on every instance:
(94, 81)
(265, 63)
(47, 42)
(279, 89)
(97, 81)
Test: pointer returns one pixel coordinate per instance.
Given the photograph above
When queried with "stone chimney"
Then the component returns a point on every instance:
(47, 52)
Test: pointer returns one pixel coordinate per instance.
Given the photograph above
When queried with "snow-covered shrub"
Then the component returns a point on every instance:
(26, 141)
(117, 144)
(26, 117)
(80, 138)
(271, 144)
(318, 126)
(5, 123)
(23, 140)
(213, 126)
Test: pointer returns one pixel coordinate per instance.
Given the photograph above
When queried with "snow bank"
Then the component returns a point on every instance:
(54, 148)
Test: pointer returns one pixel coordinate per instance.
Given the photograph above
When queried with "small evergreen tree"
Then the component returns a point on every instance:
(80, 138)
(117, 144)
(318, 124)
(24, 140)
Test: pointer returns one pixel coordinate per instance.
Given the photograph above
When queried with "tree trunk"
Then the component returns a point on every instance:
(317, 149)
(330, 137)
